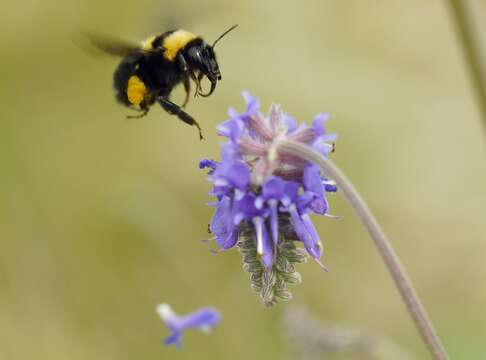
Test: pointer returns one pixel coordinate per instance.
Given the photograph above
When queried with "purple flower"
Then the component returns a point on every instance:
(266, 194)
(313, 184)
(206, 163)
(202, 319)
(222, 225)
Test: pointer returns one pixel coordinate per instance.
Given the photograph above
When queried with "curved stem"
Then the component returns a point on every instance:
(469, 41)
(402, 282)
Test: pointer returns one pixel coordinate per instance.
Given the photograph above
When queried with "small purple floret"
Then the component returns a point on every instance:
(203, 319)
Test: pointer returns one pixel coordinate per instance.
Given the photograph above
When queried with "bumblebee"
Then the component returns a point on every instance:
(147, 74)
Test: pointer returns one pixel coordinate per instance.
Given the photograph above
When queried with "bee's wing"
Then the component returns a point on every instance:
(110, 45)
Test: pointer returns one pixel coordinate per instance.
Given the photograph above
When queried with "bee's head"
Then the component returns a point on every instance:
(202, 57)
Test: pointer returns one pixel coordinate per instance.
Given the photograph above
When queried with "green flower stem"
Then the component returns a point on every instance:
(470, 46)
(402, 282)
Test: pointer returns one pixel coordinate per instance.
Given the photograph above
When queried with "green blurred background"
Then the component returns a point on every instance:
(101, 217)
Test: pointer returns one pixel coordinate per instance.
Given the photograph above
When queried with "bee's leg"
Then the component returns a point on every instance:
(187, 88)
(197, 81)
(139, 116)
(144, 109)
(199, 78)
(182, 63)
(175, 109)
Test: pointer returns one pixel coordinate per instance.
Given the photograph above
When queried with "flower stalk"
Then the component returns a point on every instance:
(469, 40)
(402, 282)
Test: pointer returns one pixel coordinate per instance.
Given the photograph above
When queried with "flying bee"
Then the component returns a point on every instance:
(147, 74)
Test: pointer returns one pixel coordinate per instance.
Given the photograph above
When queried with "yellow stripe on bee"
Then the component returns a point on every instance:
(147, 43)
(176, 41)
(136, 90)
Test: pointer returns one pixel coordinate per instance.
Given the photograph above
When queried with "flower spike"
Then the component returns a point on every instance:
(265, 196)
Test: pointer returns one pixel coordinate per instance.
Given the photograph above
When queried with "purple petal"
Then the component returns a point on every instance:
(207, 163)
(312, 179)
(290, 123)
(306, 232)
(247, 209)
(319, 205)
(273, 205)
(309, 200)
(227, 240)
(299, 226)
(235, 174)
(220, 191)
(304, 200)
(264, 244)
(314, 248)
(313, 183)
(322, 147)
(318, 124)
(233, 113)
(222, 225)
(329, 186)
(273, 188)
(252, 103)
(174, 339)
(291, 191)
(232, 128)
(204, 163)
(205, 319)
(329, 137)
(229, 153)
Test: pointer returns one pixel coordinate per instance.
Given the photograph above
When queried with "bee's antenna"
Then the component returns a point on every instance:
(223, 34)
